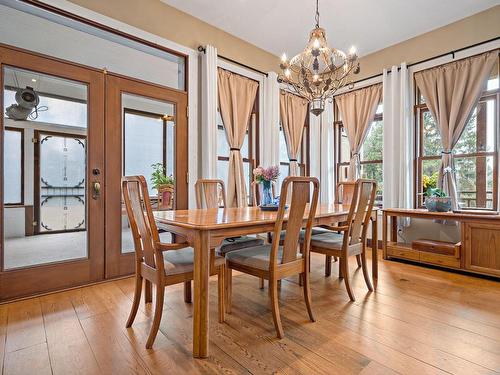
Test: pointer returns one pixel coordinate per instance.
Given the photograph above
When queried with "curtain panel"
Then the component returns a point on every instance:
(269, 140)
(451, 92)
(236, 100)
(357, 110)
(209, 112)
(398, 138)
(293, 112)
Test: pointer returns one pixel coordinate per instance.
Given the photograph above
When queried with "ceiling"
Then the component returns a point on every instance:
(279, 26)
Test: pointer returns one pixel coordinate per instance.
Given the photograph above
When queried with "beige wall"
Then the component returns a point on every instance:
(170, 23)
(474, 29)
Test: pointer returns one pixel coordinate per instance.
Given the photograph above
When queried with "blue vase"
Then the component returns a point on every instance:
(267, 196)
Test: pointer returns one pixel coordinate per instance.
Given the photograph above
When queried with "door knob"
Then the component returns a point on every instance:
(96, 193)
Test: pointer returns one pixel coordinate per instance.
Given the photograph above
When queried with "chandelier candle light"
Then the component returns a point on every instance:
(319, 71)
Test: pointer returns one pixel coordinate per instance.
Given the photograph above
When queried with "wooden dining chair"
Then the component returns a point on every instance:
(275, 261)
(349, 238)
(211, 193)
(343, 195)
(158, 263)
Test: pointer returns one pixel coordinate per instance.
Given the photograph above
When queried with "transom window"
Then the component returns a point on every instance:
(475, 154)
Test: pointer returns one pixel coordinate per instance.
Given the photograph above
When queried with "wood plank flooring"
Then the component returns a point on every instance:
(419, 321)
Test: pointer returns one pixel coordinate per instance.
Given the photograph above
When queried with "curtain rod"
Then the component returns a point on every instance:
(203, 49)
(453, 52)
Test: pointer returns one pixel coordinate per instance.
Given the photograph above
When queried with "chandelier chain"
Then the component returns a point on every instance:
(317, 13)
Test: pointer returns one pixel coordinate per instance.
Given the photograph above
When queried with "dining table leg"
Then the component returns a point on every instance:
(374, 249)
(201, 293)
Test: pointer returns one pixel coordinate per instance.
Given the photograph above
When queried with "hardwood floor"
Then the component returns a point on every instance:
(420, 321)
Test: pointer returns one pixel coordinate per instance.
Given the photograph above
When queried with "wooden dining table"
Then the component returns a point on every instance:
(205, 229)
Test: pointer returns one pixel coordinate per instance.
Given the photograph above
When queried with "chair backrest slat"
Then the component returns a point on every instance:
(140, 216)
(210, 193)
(300, 190)
(361, 209)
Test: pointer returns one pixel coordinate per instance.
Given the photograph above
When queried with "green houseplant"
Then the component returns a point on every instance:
(436, 200)
(159, 179)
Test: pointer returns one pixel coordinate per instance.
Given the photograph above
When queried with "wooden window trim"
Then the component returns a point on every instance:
(419, 157)
(21, 203)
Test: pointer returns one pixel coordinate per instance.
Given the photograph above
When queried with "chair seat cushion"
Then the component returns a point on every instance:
(238, 243)
(182, 261)
(330, 240)
(302, 235)
(255, 257)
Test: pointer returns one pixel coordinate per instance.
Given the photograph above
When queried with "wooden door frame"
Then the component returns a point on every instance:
(117, 263)
(36, 179)
(53, 276)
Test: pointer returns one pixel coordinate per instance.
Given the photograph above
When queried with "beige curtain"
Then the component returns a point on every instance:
(293, 112)
(451, 92)
(357, 110)
(236, 100)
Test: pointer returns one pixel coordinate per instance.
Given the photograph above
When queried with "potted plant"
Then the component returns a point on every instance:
(436, 200)
(164, 185)
(266, 176)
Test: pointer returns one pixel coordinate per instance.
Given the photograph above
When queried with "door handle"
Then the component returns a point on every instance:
(96, 189)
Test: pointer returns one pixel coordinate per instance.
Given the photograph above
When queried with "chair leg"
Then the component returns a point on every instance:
(358, 260)
(221, 293)
(273, 289)
(229, 289)
(160, 293)
(261, 283)
(148, 291)
(328, 265)
(137, 300)
(341, 267)
(365, 271)
(307, 295)
(187, 292)
(344, 261)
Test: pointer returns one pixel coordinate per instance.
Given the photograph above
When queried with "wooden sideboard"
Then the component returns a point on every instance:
(478, 250)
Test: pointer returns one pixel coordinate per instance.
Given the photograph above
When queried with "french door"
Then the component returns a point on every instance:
(68, 134)
(146, 126)
(52, 164)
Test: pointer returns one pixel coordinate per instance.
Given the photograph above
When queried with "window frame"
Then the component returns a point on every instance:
(419, 157)
(138, 112)
(253, 141)
(338, 126)
(21, 203)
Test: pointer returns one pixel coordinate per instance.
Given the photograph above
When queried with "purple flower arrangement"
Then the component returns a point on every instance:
(266, 174)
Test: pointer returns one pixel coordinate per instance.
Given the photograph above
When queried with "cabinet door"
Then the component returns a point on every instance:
(482, 250)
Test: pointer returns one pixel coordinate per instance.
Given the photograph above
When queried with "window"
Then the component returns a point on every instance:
(247, 150)
(370, 154)
(159, 142)
(302, 157)
(475, 154)
(13, 166)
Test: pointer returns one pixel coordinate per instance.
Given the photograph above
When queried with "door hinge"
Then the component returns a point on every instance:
(187, 111)
(34, 140)
(187, 177)
(35, 223)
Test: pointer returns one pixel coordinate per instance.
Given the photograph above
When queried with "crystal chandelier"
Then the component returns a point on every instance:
(319, 71)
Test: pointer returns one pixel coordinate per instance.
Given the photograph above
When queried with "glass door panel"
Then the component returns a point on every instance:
(147, 127)
(53, 135)
(148, 124)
